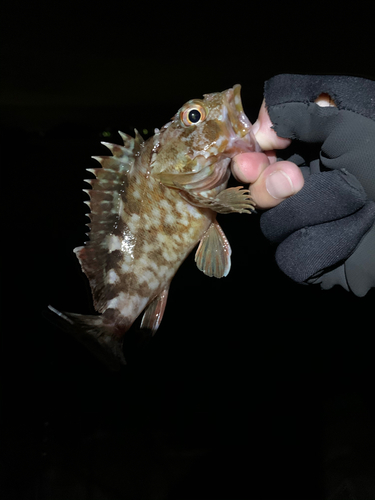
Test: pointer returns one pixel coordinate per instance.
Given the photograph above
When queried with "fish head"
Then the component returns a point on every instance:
(202, 137)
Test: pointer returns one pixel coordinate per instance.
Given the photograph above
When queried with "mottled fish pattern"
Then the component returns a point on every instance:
(151, 202)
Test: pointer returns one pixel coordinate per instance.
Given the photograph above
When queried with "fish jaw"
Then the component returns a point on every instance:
(241, 138)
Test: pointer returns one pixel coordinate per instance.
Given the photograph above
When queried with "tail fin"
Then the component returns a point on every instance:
(91, 332)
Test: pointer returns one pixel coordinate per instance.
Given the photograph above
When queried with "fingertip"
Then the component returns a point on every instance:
(278, 182)
(247, 167)
(293, 172)
(265, 134)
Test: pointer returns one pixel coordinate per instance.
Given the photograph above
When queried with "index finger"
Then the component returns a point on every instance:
(265, 134)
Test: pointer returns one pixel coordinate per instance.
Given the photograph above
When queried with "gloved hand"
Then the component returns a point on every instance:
(326, 232)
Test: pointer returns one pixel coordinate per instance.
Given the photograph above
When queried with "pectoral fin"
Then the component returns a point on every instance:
(154, 312)
(213, 254)
(230, 200)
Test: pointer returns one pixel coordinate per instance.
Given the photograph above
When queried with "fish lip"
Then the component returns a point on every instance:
(239, 121)
(241, 136)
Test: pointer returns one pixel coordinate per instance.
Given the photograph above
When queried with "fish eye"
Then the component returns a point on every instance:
(192, 114)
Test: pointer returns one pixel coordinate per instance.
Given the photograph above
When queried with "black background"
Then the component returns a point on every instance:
(254, 387)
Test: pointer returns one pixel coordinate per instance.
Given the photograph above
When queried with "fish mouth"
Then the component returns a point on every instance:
(241, 136)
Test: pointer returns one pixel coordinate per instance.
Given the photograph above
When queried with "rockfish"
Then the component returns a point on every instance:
(151, 203)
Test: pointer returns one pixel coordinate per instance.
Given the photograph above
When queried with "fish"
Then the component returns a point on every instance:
(152, 202)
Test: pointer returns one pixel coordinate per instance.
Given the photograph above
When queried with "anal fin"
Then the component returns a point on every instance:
(154, 312)
(213, 254)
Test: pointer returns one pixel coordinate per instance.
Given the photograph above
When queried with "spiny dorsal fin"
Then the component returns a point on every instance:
(107, 197)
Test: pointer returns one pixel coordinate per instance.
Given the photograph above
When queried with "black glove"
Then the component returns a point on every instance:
(326, 232)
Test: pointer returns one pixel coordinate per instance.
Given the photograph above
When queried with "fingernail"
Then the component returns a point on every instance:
(256, 127)
(279, 185)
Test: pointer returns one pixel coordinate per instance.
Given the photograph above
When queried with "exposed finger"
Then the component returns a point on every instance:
(247, 167)
(277, 182)
(265, 134)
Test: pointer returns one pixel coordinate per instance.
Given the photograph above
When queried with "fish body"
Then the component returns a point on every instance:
(151, 203)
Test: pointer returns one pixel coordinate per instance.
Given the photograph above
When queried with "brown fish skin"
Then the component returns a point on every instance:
(151, 203)
(155, 232)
